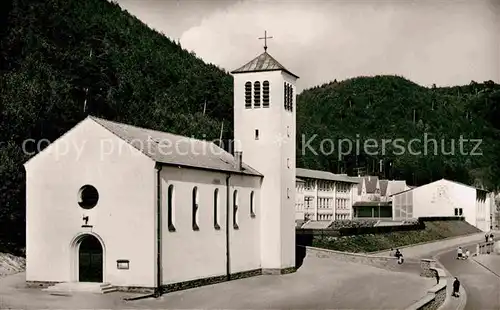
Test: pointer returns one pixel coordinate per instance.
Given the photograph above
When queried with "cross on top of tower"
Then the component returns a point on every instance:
(265, 37)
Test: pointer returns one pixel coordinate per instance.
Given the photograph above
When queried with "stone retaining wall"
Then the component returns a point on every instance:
(435, 296)
(427, 266)
(384, 262)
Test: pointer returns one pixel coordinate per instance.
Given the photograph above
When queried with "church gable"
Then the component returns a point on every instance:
(87, 138)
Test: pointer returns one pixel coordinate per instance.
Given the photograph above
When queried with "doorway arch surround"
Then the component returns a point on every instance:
(75, 259)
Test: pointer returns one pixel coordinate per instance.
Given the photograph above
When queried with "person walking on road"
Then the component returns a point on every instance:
(456, 288)
(399, 255)
(459, 253)
(467, 254)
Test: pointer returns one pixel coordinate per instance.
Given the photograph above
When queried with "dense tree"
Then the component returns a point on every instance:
(62, 60)
(391, 107)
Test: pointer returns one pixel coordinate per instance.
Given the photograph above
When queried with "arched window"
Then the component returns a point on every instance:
(252, 204)
(285, 95)
(248, 95)
(235, 209)
(265, 94)
(216, 209)
(256, 94)
(170, 208)
(195, 209)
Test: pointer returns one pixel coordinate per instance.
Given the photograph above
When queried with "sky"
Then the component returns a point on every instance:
(446, 42)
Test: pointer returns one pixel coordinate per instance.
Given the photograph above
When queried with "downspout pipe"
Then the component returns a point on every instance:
(228, 253)
(158, 290)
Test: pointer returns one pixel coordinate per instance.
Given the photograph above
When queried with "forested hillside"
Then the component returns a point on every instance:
(61, 60)
(391, 107)
(59, 57)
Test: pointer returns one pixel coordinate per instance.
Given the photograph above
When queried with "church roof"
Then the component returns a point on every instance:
(323, 175)
(171, 149)
(263, 62)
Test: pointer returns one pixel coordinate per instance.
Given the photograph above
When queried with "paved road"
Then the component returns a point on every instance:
(482, 286)
(321, 283)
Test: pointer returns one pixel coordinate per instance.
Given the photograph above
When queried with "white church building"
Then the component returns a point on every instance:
(140, 209)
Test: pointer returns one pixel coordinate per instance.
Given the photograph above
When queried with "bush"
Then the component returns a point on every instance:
(431, 231)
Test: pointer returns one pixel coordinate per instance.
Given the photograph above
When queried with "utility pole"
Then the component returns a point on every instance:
(205, 107)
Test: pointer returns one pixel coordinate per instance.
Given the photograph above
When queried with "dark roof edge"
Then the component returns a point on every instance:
(210, 169)
(314, 178)
(254, 71)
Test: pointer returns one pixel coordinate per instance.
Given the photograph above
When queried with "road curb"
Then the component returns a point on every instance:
(424, 243)
(485, 267)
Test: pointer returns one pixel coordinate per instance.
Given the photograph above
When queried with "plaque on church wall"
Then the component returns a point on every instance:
(122, 264)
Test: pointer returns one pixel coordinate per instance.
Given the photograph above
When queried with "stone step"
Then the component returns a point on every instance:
(81, 287)
(108, 290)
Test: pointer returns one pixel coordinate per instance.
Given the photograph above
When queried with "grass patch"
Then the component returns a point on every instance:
(434, 230)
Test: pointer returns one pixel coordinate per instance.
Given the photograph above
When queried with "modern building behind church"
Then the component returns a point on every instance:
(137, 208)
(445, 198)
(324, 196)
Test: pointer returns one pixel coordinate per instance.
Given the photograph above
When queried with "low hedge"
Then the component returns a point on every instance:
(432, 231)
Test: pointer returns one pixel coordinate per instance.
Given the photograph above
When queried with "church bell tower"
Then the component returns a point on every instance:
(264, 131)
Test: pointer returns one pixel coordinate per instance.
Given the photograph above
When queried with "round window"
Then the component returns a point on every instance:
(88, 197)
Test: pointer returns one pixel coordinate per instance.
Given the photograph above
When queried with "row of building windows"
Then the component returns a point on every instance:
(299, 206)
(403, 211)
(404, 199)
(288, 96)
(341, 216)
(257, 94)
(310, 184)
(480, 206)
(343, 188)
(325, 203)
(195, 208)
(327, 186)
(324, 217)
(308, 201)
(341, 203)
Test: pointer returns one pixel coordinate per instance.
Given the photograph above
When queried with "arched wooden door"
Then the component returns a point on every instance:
(90, 260)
